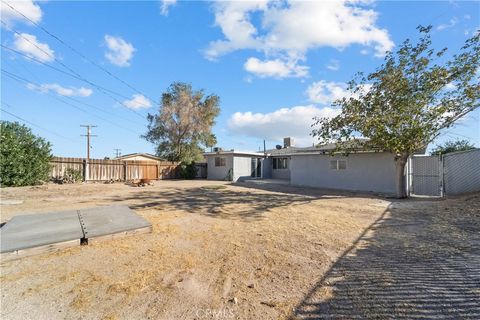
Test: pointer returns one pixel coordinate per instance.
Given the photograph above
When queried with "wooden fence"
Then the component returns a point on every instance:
(117, 170)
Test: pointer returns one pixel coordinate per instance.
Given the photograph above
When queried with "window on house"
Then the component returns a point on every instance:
(219, 162)
(280, 163)
(338, 164)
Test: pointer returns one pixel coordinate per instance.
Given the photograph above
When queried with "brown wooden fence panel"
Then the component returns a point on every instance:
(167, 170)
(102, 170)
(59, 166)
(117, 170)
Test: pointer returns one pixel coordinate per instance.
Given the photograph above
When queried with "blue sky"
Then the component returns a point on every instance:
(274, 66)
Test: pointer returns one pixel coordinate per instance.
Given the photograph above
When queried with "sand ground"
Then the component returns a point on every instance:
(222, 251)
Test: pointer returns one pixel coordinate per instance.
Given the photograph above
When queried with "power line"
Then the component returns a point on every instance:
(109, 113)
(70, 69)
(26, 81)
(75, 77)
(60, 70)
(33, 124)
(78, 52)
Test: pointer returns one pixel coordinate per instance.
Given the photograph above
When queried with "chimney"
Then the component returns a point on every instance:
(287, 142)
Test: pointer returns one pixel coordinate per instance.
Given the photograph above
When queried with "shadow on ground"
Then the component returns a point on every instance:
(417, 261)
(305, 191)
(216, 201)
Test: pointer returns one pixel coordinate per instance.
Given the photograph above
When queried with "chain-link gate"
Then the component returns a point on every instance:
(462, 172)
(425, 176)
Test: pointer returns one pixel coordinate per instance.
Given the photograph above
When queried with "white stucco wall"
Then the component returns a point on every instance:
(267, 168)
(241, 164)
(218, 173)
(365, 172)
(281, 173)
(242, 167)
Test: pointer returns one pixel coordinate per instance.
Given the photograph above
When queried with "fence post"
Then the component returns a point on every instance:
(442, 176)
(85, 170)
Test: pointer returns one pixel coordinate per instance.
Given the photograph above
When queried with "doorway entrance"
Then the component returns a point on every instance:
(256, 168)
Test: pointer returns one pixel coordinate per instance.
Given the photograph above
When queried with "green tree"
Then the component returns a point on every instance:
(183, 124)
(24, 157)
(407, 101)
(452, 146)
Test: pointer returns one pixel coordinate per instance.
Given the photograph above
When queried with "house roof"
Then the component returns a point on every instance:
(146, 155)
(357, 145)
(233, 152)
(354, 146)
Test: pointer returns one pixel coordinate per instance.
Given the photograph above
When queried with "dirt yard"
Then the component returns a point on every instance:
(245, 251)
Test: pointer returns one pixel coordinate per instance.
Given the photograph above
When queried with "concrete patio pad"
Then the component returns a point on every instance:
(38, 233)
(35, 230)
(107, 222)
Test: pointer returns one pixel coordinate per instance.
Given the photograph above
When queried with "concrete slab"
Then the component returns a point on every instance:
(32, 234)
(35, 230)
(103, 221)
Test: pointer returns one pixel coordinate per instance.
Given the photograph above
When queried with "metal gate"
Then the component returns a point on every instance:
(462, 172)
(425, 176)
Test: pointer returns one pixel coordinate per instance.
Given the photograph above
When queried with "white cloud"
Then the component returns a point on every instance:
(325, 92)
(334, 65)
(275, 68)
(294, 122)
(234, 20)
(120, 52)
(165, 6)
(291, 28)
(448, 25)
(28, 44)
(60, 90)
(28, 8)
(138, 101)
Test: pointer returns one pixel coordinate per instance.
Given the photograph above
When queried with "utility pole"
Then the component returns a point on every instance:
(117, 152)
(88, 135)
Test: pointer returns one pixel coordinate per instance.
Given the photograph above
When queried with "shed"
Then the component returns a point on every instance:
(139, 157)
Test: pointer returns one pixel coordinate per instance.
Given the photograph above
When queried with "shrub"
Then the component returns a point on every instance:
(72, 175)
(188, 171)
(24, 157)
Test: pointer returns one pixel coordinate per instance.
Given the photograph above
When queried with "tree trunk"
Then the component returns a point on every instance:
(400, 162)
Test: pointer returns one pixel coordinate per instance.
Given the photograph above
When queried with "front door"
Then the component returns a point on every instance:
(256, 168)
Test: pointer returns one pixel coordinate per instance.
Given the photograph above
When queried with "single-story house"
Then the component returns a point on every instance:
(359, 170)
(138, 157)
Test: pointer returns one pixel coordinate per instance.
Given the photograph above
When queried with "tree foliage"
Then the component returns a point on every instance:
(24, 157)
(188, 171)
(408, 100)
(452, 146)
(183, 124)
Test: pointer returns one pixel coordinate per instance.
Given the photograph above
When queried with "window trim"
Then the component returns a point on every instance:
(221, 162)
(337, 166)
(277, 161)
